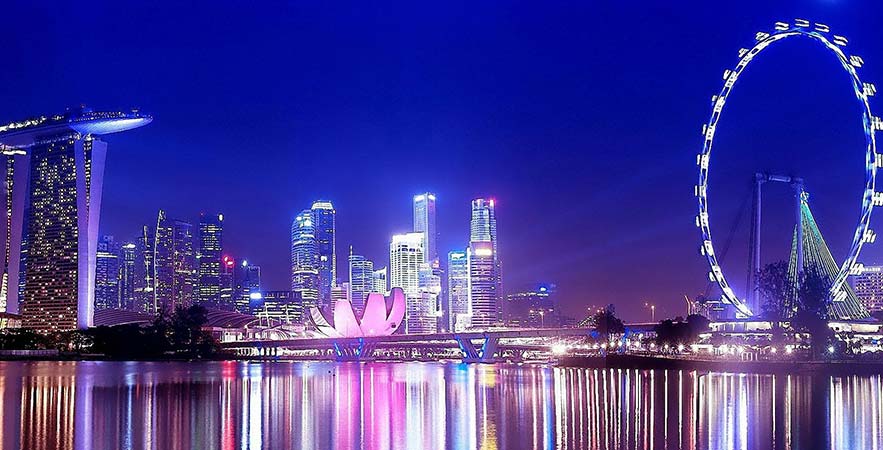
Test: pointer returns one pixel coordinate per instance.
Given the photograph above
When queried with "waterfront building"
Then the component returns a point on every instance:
(324, 229)
(425, 222)
(485, 280)
(379, 281)
(361, 276)
(208, 255)
(107, 274)
(64, 175)
(533, 308)
(869, 287)
(145, 273)
(127, 258)
(248, 286)
(305, 260)
(405, 260)
(458, 307)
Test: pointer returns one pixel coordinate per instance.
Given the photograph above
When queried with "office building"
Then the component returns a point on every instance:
(485, 280)
(208, 255)
(405, 261)
(248, 286)
(305, 260)
(324, 229)
(228, 269)
(379, 279)
(175, 263)
(107, 274)
(361, 276)
(458, 307)
(425, 222)
(127, 258)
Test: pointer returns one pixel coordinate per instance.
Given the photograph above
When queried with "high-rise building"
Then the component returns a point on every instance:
(64, 179)
(145, 272)
(458, 308)
(379, 281)
(127, 258)
(208, 254)
(340, 293)
(485, 280)
(305, 260)
(107, 274)
(869, 287)
(248, 286)
(361, 278)
(325, 231)
(424, 222)
(15, 183)
(228, 268)
(174, 262)
(405, 261)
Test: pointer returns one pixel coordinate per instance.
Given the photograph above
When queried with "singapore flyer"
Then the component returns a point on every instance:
(836, 44)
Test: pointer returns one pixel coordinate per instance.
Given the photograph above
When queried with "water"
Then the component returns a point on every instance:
(233, 405)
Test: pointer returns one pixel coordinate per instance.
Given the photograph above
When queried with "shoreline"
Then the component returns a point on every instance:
(839, 367)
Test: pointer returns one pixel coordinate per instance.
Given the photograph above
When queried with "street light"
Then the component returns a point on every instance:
(652, 311)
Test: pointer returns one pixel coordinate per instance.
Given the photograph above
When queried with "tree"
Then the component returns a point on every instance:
(813, 296)
(680, 331)
(777, 290)
(606, 323)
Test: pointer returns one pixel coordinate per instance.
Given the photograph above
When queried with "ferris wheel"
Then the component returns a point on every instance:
(863, 91)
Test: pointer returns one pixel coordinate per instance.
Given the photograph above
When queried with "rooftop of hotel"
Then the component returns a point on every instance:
(82, 120)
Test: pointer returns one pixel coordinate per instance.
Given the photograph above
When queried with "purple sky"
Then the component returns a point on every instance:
(583, 121)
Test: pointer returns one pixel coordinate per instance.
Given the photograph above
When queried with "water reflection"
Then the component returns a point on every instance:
(231, 405)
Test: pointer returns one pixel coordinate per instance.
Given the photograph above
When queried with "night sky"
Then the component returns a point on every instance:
(582, 120)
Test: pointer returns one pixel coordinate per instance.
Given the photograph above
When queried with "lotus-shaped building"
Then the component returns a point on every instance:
(381, 317)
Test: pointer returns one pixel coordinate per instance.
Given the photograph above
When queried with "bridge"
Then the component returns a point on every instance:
(473, 346)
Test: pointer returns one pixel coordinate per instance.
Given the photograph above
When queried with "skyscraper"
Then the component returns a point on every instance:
(305, 260)
(208, 254)
(15, 183)
(324, 229)
(107, 274)
(174, 262)
(127, 258)
(145, 272)
(458, 308)
(424, 222)
(248, 286)
(485, 281)
(405, 263)
(228, 267)
(65, 176)
(379, 279)
(361, 276)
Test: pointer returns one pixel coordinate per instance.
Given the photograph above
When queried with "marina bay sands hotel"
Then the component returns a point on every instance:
(53, 172)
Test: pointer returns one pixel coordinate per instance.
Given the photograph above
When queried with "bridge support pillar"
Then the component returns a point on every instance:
(486, 353)
(354, 351)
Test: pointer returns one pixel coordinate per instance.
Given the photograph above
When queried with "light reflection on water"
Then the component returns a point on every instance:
(233, 405)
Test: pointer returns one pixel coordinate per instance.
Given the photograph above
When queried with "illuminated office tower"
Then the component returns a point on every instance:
(485, 281)
(340, 293)
(175, 263)
(405, 261)
(208, 257)
(379, 281)
(868, 287)
(64, 179)
(15, 179)
(145, 272)
(279, 305)
(248, 286)
(428, 309)
(127, 258)
(324, 230)
(361, 276)
(424, 222)
(228, 267)
(305, 260)
(107, 274)
(458, 308)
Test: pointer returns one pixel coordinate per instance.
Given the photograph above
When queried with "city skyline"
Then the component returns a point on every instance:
(572, 121)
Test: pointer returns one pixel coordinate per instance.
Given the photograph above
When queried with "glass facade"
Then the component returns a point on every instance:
(107, 274)
(324, 230)
(208, 254)
(305, 260)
